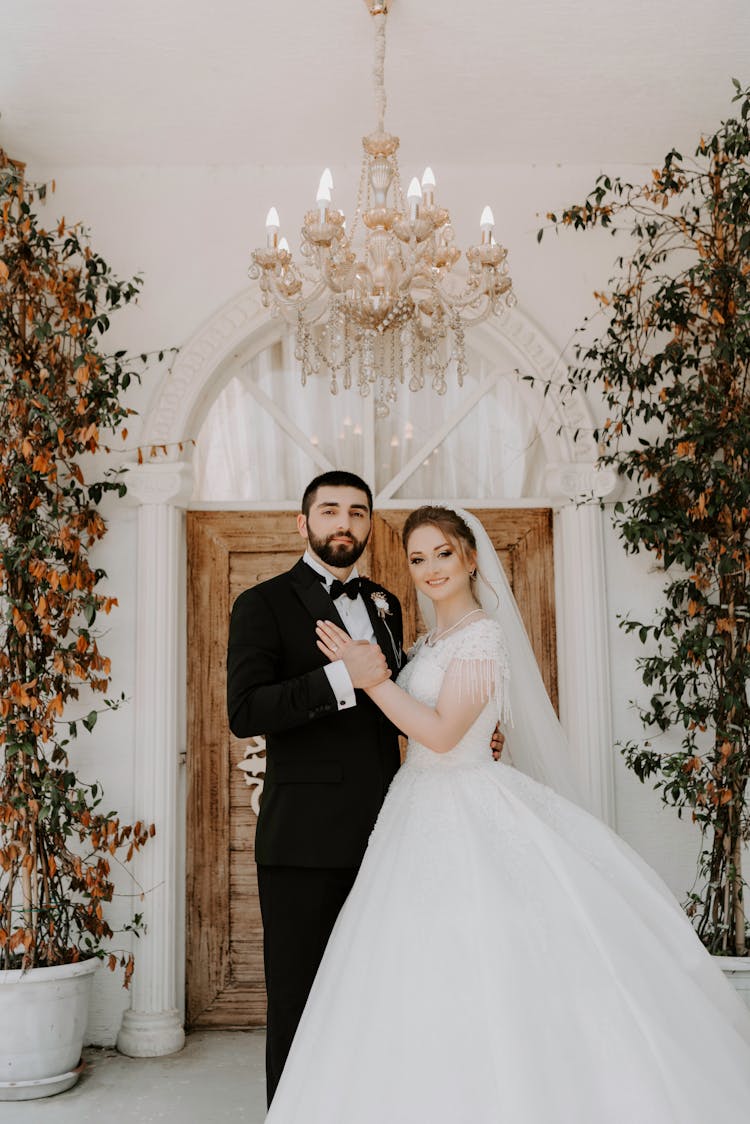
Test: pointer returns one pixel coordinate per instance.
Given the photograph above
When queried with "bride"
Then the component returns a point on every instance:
(503, 956)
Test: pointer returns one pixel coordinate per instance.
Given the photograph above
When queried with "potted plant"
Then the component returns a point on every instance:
(672, 364)
(58, 392)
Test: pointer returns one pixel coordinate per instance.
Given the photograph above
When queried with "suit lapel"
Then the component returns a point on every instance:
(383, 632)
(313, 596)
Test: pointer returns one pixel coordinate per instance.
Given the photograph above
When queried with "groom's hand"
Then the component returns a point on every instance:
(365, 663)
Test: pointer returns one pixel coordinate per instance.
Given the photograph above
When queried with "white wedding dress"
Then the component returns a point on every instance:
(504, 958)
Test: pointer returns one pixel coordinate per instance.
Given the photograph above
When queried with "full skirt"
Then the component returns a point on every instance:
(504, 958)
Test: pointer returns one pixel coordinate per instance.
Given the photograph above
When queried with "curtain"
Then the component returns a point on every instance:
(265, 436)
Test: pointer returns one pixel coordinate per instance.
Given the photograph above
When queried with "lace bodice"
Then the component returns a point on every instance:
(478, 661)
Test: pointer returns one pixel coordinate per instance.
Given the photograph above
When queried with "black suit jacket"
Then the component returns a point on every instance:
(327, 770)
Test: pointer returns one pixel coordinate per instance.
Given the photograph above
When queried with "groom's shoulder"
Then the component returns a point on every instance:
(281, 581)
(271, 588)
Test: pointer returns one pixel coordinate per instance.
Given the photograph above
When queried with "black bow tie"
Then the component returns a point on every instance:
(350, 588)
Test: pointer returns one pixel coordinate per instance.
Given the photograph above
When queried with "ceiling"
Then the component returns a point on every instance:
(288, 82)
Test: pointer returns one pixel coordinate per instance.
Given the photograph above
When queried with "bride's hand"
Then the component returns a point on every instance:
(332, 640)
(364, 662)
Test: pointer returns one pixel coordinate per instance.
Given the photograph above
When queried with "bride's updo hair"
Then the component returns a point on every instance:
(452, 526)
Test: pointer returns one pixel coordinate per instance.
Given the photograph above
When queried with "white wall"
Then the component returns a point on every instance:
(189, 231)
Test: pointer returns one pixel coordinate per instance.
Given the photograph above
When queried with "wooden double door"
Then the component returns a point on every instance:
(229, 551)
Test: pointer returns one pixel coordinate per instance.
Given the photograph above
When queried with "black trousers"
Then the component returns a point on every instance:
(299, 907)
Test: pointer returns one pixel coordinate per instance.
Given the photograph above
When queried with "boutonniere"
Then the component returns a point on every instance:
(381, 604)
(380, 601)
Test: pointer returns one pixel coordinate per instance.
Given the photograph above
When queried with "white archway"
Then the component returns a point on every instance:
(242, 328)
(162, 487)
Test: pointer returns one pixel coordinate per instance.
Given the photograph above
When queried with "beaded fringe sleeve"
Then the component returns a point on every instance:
(476, 658)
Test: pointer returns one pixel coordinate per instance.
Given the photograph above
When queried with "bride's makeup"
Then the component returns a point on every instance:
(437, 567)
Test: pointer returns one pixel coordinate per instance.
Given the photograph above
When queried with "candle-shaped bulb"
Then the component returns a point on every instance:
(428, 186)
(487, 222)
(323, 198)
(414, 195)
(272, 228)
(415, 191)
(326, 180)
(284, 245)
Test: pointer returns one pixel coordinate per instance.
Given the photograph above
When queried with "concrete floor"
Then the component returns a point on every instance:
(219, 1077)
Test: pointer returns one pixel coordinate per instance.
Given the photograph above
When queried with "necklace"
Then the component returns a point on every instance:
(433, 636)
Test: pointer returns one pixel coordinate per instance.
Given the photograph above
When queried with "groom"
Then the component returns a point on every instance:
(331, 754)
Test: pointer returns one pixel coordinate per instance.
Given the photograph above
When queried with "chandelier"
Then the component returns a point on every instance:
(379, 305)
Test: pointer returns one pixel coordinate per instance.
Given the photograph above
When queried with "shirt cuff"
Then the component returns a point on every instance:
(341, 684)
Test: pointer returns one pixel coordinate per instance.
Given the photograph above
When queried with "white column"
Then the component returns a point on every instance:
(584, 671)
(153, 1025)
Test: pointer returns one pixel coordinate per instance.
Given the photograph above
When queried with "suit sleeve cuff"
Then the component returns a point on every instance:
(341, 684)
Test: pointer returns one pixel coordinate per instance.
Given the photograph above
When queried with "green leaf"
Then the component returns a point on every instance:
(90, 720)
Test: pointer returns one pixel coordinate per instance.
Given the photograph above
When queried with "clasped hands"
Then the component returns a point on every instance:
(367, 665)
(365, 662)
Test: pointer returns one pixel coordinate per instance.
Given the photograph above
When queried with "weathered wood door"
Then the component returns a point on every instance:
(227, 552)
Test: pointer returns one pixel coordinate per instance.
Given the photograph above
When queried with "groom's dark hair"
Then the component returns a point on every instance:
(337, 478)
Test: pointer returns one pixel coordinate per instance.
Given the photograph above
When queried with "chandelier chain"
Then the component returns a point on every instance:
(379, 71)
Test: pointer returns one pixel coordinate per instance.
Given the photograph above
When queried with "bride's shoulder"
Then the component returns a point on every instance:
(482, 637)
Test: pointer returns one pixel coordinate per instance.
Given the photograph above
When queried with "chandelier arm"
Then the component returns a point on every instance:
(467, 299)
(408, 273)
(420, 253)
(331, 281)
(299, 303)
(472, 321)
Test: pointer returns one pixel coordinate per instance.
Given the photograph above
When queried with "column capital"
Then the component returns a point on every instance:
(578, 480)
(168, 482)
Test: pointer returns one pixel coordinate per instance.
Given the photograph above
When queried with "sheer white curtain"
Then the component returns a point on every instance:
(265, 436)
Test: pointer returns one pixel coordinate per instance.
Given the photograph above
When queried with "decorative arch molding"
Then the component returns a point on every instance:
(242, 328)
(161, 488)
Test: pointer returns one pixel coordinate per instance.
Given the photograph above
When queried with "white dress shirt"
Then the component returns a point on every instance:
(357, 623)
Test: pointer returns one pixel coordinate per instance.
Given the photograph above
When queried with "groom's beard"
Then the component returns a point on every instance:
(336, 554)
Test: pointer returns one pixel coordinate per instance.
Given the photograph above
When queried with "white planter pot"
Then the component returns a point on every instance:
(43, 1015)
(737, 971)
